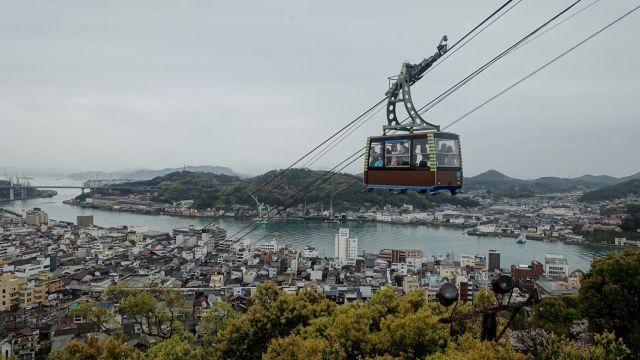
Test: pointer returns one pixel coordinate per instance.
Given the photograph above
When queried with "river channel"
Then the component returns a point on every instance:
(371, 236)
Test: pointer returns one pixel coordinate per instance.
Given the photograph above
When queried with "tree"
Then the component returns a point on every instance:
(273, 314)
(217, 318)
(110, 349)
(155, 311)
(101, 318)
(610, 297)
(556, 314)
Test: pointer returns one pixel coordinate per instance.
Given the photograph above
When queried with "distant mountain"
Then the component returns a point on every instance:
(612, 192)
(631, 177)
(503, 185)
(491, 175)
(345, 190)
(144, 174)
(599, 179)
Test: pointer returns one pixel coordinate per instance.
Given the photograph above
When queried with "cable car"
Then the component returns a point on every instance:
(418, 156)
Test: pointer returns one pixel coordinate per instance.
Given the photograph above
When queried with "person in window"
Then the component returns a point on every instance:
(395, 160)
(424, 156)
(378, 163)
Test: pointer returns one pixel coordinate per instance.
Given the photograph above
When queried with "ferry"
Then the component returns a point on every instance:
(522, 238)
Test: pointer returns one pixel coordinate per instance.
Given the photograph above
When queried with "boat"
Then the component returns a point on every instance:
(522, 238)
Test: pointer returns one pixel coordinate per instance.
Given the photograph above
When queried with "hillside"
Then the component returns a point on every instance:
(500, 184)
(143, 174)
(612, 192)
(213, 190)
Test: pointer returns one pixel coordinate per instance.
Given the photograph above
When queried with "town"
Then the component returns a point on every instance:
(49, 267)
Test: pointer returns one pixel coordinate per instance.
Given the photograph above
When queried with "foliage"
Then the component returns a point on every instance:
(556, 314)
(404, 327)
(110, 349)
(177, 347)
(469, 348)
(217, 318)
(610, 296)
(155, 311)
(222, 191)
(102, 319)
(553, 347)
(273, 314)
(612, 192)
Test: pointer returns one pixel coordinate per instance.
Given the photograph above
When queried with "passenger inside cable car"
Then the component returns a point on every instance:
(425, 162)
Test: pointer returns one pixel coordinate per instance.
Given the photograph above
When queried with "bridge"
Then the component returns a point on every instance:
(23, 188)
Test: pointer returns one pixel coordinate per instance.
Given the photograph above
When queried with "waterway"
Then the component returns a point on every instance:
(371, 236)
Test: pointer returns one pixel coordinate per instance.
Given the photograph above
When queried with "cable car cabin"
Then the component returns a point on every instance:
(426, 162)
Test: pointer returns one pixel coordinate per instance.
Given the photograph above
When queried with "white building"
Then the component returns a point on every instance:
(346, 247)
(467, 260)
(309, 252)
(556, 265)
(37, 217)
(270, 246)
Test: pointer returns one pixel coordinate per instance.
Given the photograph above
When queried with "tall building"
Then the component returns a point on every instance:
(346, 247)
(556, 265)
(494, 260)
(84, 220)
(37, 217)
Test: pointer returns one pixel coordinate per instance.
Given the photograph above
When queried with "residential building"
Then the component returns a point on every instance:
(399, 255)
(346, 247)
(84, 220)
(494, 260)
(21, 345)
(36, 217)
(556, 265)
(524, 275)
(10, 291)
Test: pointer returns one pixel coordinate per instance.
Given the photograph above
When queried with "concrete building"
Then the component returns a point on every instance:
(467, 260)
(494, 260)
(524, 275)
(21, 345)
(346, 247)
(399, 255)
(556, 265)
(84, 220)
(36, 217)
(10, 291)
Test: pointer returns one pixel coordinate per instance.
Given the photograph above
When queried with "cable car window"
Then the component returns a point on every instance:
(396, 153)
(375, 155)
(420, 157)
(447, 153)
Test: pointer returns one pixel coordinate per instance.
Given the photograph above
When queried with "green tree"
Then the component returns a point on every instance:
(217, 318)
(556, 314)
(110, 349)
(103, 319)
(273, 314)
(156, 311)
(610, 296)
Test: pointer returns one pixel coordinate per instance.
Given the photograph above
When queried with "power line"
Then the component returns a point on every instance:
(329, 147)
(482, 68)
(541, 67)
(491, 99)
(558, 24)
(450, 53)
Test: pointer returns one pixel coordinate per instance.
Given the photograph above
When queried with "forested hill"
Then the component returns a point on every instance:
(500, 184)
(214, 190)
(612, 192)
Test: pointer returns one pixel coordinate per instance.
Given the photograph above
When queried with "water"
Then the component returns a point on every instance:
(371, 236)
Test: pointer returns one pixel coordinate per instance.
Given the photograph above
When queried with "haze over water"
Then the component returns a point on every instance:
(371, 236)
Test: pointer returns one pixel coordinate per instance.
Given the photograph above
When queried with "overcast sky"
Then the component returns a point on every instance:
(253, 85)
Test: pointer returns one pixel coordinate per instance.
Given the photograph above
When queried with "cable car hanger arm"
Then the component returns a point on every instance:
(409, 75)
